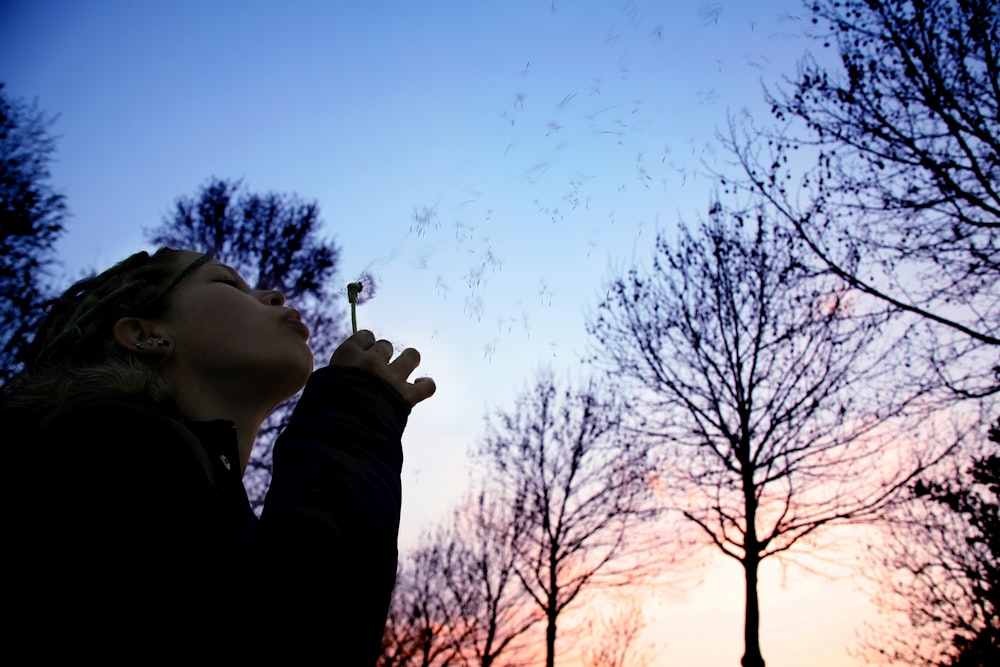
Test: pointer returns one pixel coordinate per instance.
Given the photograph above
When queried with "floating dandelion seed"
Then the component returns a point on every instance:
(363, 289)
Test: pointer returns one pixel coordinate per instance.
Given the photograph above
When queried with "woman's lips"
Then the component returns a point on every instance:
(295, 319)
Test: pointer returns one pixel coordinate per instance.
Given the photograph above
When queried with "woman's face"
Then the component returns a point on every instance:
(226, 336)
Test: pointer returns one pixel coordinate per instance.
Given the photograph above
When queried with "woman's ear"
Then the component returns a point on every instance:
(139, 335)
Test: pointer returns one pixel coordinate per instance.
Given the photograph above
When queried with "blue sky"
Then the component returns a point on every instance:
(489, 162)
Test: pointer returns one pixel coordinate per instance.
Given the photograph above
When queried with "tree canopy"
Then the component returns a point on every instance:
(902, 200)
(32, 214)
(940, 581)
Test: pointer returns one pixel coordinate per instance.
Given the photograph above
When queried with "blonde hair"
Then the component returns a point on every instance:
(74, 351)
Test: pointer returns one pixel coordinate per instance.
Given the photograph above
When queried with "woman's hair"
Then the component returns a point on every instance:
(74, 350)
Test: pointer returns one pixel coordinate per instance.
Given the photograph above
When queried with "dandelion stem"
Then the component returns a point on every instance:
(352, 295)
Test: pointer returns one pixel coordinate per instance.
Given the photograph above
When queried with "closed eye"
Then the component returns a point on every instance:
(228, 276)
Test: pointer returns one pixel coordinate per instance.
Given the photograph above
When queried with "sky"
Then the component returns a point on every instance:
(491, 163)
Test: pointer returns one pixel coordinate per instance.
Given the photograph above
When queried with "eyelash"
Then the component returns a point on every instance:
(229, 281)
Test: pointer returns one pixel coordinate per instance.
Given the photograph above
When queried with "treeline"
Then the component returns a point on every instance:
(820, 350)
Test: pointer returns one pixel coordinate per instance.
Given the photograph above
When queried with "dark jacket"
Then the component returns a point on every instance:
(127, 534)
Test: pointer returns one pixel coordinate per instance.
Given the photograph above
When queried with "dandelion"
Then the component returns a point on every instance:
(365, 283)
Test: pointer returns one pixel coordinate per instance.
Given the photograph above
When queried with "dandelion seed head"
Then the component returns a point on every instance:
(366, 287)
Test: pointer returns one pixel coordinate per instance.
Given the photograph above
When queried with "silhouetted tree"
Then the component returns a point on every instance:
(479, 566)
(274, 240)
(749, 370)
(903, 202)
(579, 488)
(482, 609)
(424, 627)
(942, 578)
(614, 639)
(458, 600)
(31, 221)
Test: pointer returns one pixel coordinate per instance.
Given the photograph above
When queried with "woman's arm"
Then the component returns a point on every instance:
(331, 516)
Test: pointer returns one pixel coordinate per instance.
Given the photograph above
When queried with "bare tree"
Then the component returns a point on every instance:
(577, 485)
(479, 567)
(457, 599)
(749, 370)
(903, 202)
(423, 626)
(615, 639)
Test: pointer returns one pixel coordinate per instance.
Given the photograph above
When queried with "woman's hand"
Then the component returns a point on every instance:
(363, 350)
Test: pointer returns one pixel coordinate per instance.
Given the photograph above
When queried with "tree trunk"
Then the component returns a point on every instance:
(550, 641)
(751, 627)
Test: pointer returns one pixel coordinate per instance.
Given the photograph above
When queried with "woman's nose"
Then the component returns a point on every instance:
(273, 298)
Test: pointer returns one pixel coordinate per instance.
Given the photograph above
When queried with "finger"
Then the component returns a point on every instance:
(348, 352)
(406, 362)
(383, 348)
(364, 338)
(421, 389)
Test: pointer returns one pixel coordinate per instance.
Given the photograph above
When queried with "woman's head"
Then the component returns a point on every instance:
(221, 341)
(88, 340)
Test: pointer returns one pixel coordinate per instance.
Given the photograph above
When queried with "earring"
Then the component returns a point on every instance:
(140, 346)
(159, 343)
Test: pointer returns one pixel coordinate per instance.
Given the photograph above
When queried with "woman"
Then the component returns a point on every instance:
(127, 529)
